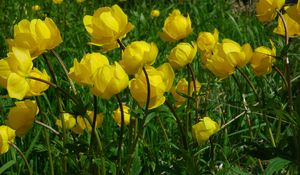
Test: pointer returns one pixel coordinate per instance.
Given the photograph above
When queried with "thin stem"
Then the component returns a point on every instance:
(249, 82)
(148, 89)
(232, 120)
(287, 63)
(22, 155)
(46, 126)
(72, 97)
(141, 131)
(122, 46)
(119, 160)
(60, 107)
(195, 90)
(281, 75)
(65, 70)
(181, 131)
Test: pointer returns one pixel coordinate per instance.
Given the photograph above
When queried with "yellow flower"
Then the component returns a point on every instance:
(22, 116)
(293, 27)
(84, 123)
(69, 121)
(82, 72)
(57, 1)
(117, 115)
(7, 135)
(109, 80)
(14, 70)
(138, 54)
(182, 54)
(158, 86)
(37, 87)
(36, 8)
(176, 27)
(36, 35)
(182, 88)
(167, 74)
(204, 129)
(219, 63)
(206, 41)
(155, 13)
(263, 59)
(106, 26)
(266, 9)
(294, 13)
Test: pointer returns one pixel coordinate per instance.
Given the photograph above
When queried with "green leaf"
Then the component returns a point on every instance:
(7, 165)
(136, 165)
(276, 165)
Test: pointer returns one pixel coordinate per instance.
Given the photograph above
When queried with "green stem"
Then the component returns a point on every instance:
(281, 75)
(141, 131)
(287, 63)
(119, 160)
(249, 82)
(22, 155)
(179, 124)
(65, 70)
(122, 46)
(46, 126)
(72, 97)
(195, 91)
(60, 107)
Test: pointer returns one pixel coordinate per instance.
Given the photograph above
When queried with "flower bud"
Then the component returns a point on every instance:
(117, 115)
(176, 27)
(182, 54)
(204, 129)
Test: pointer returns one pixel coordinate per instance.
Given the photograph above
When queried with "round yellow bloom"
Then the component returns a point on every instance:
(36, 8)
(293, 27)
(263, 59)
(7, 135)
(155, 13)
(182, 54)
(109, 80)
(266, 9)
(57, 1)
(37, 87)
(14, 71)
(82, 72)
(158, 86)
(182, 88)
(22, 116)
(176, 27)
(204, 129)
(69, 121)
(167, 74)
(117, 115)
(106, 26)
(84, 123)
(36, 35)
(138, 54)
(206, 41)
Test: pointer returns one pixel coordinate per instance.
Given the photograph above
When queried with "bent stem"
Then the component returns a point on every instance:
(195, 90)
(181, 131)
(55, 86)
(60, 107)
(46, 126)
(119, 160)
(250, 83)
(65, 70)
(287, 63)
(22, 155)
(141, 131)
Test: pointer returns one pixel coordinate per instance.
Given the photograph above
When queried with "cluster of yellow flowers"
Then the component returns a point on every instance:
(267, 10)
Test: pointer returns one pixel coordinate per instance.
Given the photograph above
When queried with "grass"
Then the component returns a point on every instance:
(245, 146)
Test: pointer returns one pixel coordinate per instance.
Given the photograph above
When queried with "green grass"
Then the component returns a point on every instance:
(160, 150)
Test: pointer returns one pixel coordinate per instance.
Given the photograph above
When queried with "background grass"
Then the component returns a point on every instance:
(231, 151)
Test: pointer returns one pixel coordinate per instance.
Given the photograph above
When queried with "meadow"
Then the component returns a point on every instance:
(122, 115)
